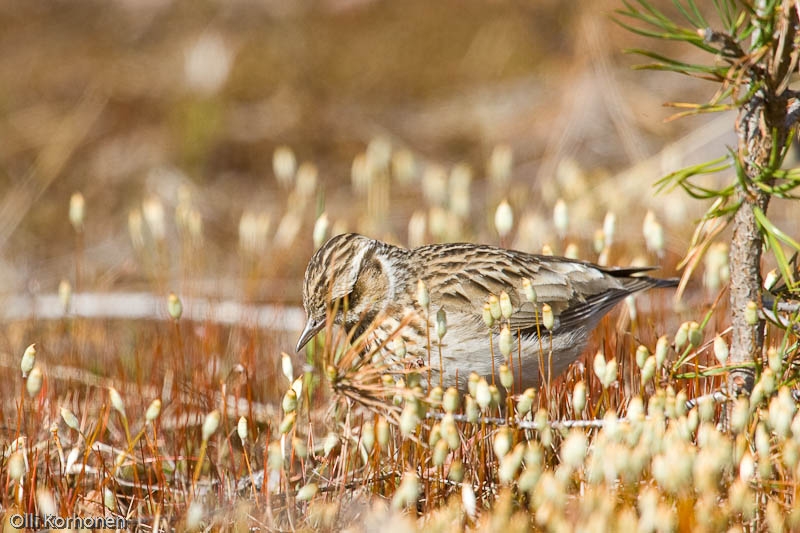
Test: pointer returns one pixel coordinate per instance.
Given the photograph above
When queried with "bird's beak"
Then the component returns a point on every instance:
(312, 328)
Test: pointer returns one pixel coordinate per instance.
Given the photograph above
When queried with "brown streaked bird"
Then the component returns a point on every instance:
(380, 281)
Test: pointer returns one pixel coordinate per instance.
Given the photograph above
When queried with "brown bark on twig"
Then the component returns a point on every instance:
(763, 124)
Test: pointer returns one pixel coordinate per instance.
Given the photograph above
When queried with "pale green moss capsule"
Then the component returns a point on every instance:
(500, 164)
(540, 420)
(579, 397)
(506, 309)
(407, 493)
(307, 492)
(502, 442)
(662, 347)
(409, 420)
(572, 251)
(330, 443)
(116, 401)
(287, 424)
(610, 375)
(77, 211)
(530, 292)
(441, 324)
(70, 419)
(435, 395)
(680, 403)
(630, 303)
(459, 189)
(495, 395)
(383, 432)
(548, 320)
(417, 227)
(751, 313)
(528, 479)
(34, 382)
(756, 395)
(506, 377)
(435, 435)
(775, 360)
(488, 319)
(494, 307)
(599, 365)
(434, 186)
(762, 441)
(599, 241)
(642, 353)
(153, 410)
(287, 367)
(561, 218)
(706, 409)
(64, 294)
(210, 424)
(46, 502)
(695, 334)
(404, 167)
(28, 360)
(525, 402)
(747, 467)
(241, 429)
(423, 297)
(721, 350)
(368, 436)
(320, 232)
(284, 166)
(135, 229)
(636, 409)
(174, 306)
(440, 452)
(609, 227)
(655, 238)
(681, 336)
(573, 450)
(771, 279)
(503, 219)
(274, 456)
(483, 396)
(289, 402)
(16, 466)
(472, 383)
(468, 500)
(153, 211)
(456, 473)
(451, 400)
(648, 369)
(109, 500)
(379, 154)
(450, 432)
(509, 465)
(505, 341)
(768, 381)
(306, 179)
(471, 410)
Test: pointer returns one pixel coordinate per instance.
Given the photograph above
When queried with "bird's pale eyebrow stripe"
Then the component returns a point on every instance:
(359, 257)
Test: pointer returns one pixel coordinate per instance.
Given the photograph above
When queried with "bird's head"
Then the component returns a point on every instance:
(348, 274)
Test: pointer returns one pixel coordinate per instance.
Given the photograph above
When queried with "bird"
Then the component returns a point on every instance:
(372, 287)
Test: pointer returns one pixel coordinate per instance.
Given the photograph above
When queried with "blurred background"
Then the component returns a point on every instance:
(206, 138)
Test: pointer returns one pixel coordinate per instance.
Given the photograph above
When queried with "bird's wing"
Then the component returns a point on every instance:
(460, 278)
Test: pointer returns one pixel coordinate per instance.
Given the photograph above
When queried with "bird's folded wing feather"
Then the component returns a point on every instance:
(575, 291)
